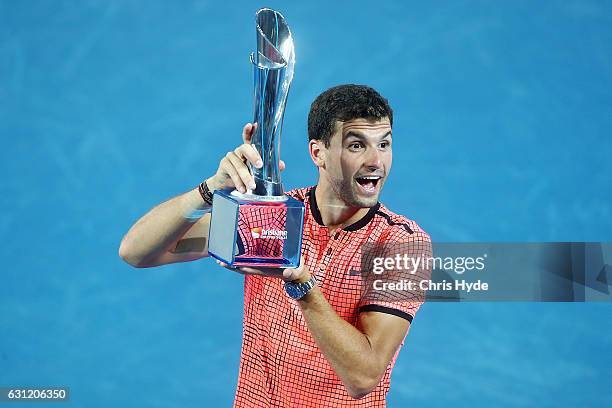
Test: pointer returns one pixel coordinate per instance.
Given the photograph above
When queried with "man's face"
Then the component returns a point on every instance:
(358, 160)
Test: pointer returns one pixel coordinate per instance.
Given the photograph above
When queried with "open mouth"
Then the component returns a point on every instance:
(368, 184)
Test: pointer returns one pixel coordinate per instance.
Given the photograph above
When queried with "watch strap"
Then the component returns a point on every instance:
(299, 290)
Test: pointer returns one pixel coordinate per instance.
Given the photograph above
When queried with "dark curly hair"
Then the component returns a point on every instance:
(344, 103)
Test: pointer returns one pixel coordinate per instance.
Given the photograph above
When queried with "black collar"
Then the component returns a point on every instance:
(314, 209)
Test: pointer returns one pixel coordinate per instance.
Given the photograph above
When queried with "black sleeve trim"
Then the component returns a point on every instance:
(384, 309)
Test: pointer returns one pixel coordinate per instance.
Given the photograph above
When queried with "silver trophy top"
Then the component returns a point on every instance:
(273, 64)
(274, 42)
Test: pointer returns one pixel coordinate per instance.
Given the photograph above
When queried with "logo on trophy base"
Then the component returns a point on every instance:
(263, 227)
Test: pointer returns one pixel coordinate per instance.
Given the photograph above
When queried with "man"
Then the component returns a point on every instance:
(332, 347)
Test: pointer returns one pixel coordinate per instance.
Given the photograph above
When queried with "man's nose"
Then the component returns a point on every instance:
(373, 159)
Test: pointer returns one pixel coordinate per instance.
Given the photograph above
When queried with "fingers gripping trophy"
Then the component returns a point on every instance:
(262, 227)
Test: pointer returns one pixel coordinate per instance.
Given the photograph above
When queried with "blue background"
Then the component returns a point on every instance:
(503, 117)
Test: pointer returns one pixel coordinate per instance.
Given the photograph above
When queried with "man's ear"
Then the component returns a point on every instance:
(317, 152)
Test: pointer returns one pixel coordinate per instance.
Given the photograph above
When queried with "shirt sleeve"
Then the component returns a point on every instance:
(392, 272)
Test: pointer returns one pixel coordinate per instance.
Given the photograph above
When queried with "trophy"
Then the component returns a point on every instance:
(262, 227)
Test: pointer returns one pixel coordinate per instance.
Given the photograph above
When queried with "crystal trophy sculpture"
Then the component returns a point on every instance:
(262, 227)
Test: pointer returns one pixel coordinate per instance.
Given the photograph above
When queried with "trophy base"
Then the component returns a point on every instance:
(262, 262)
(248, 232)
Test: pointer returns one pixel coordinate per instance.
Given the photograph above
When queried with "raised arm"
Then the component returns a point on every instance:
(169, 232)
(166, 234)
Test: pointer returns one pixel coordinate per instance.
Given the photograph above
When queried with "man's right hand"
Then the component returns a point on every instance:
(233, 171)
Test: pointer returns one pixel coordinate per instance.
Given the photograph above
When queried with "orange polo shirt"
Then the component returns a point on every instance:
(280, 364)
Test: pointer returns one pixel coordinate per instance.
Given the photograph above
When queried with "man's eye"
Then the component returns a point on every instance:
(355, 145)
(384, 145)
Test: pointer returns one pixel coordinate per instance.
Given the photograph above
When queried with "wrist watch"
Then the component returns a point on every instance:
(299, 290)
